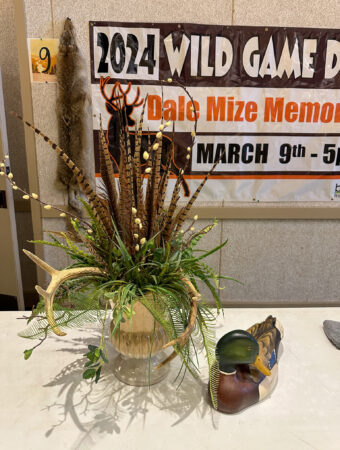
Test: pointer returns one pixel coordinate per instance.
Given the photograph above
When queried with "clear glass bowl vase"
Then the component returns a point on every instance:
(139, 342)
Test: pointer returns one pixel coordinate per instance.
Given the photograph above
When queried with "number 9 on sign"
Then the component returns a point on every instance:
(47, 55)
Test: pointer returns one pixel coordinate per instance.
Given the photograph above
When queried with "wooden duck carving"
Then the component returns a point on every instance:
(246, 366)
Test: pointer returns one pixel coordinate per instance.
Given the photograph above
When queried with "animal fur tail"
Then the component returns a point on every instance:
(72, 113)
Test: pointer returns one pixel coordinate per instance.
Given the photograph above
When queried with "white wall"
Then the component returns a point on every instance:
(278, 261)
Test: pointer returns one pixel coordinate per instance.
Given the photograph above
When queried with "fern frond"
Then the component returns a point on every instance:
(209, 344)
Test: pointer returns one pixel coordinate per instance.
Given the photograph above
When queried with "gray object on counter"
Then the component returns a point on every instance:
(332, 331)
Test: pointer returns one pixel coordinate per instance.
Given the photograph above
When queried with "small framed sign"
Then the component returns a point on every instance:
(43, 59)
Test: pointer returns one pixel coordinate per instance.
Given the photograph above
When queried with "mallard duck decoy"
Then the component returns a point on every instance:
(246, 366)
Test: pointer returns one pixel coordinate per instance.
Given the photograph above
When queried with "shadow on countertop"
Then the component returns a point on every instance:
(111, 406)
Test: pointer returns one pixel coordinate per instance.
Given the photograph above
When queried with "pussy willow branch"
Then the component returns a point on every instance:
(189, 227)
(193, 135)
(12, 183)
(202, 232)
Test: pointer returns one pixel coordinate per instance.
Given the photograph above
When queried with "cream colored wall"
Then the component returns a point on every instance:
(279, 261)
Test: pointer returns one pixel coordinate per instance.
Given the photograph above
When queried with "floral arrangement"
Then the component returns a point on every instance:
(129, 247)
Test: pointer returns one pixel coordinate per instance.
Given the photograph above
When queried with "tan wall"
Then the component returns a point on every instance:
(16, 141)
(279, 261)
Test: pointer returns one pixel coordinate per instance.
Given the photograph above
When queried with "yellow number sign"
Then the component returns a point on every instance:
(43, 59)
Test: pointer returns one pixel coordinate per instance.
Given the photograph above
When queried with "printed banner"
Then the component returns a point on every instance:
(267, 102)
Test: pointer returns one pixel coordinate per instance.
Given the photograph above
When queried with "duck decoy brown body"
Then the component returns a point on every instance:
(246, 366)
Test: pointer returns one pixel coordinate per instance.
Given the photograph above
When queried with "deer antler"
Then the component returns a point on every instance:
(127, 90)
(111, 100)
(183, 338)
(137, 101)
(57, 278)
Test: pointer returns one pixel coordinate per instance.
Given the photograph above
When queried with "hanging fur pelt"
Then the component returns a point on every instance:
(73, 111)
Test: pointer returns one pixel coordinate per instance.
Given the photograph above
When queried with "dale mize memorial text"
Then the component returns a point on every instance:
(266, 98)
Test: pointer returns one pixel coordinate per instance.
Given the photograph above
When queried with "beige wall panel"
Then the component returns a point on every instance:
(56, 257)
(194, 11)
(39, 24)
(39, 18)
(44, 98)
(287, 13)
(288, 261)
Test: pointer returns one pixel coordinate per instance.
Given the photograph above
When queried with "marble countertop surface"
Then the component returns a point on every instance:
(45, 403)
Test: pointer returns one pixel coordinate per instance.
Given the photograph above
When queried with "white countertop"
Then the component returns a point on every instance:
(45, 404)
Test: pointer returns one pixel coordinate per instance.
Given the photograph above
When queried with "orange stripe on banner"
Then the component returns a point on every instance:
(255, 177)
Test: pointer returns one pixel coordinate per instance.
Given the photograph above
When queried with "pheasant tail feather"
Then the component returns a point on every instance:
(107, 174)
(183, 215)
(84, 184)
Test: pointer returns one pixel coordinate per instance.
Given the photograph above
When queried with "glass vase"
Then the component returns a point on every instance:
(139, 342)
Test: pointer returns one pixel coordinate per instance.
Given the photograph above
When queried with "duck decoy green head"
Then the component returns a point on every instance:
(238, 347)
